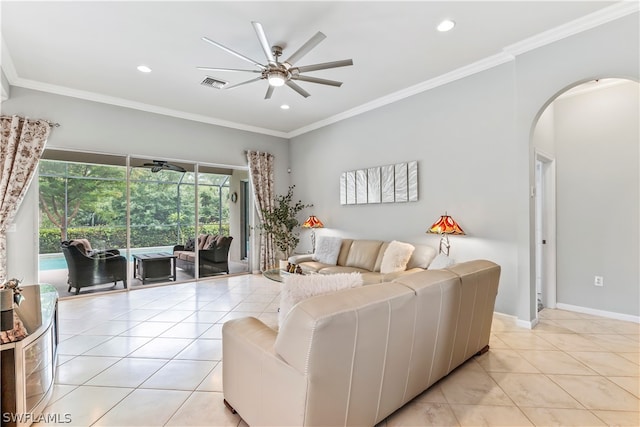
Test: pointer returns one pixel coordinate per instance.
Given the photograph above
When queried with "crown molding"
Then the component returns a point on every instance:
(120, 102)
(603, 16)
(576, 26)
(509, 53)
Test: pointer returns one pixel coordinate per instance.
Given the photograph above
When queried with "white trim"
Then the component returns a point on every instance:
(518, 322)
(603, 16)
(121, 102)
(527, 324)
(576, 26)
(601, 313)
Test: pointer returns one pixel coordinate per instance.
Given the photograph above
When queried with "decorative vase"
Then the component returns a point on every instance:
(283, 264)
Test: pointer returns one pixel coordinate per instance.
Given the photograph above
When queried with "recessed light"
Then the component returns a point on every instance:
(446, 25)
(285, 107)
(144, 69)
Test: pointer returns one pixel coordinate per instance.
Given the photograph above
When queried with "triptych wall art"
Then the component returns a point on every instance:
(381, 184)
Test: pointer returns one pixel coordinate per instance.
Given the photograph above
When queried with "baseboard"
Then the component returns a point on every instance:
(601, 313)
(520, 323)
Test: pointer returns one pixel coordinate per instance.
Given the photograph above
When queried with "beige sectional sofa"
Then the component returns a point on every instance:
(365, 257)
(355, 356)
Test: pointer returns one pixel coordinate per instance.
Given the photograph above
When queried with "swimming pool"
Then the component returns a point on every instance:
(57, 262)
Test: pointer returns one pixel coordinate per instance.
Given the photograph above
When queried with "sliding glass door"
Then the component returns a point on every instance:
(172, 224)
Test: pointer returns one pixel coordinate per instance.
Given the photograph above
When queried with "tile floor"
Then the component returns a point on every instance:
(152, 357)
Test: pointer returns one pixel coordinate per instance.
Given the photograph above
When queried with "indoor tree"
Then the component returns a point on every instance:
(281, 222)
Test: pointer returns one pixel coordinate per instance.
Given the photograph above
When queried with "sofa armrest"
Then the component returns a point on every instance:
(297, 259)
(178, 248)
(257, 383)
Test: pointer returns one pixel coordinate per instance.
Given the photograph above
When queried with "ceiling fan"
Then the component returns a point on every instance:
(281, 73)
(159, 165)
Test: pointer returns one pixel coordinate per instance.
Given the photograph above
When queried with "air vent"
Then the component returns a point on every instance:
(215, 83)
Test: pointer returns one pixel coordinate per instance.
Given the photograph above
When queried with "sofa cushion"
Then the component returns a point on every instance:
(223, 241)
(363, 254)
(396, 257)
(297, 287)
(186, 255)
(327, 250)
(421, 257)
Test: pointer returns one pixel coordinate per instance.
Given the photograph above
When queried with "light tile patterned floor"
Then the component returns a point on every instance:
(152, 357)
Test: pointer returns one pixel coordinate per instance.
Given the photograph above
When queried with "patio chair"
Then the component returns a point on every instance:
(89, 267)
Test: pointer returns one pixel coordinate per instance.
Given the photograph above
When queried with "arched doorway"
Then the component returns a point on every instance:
(587, 190)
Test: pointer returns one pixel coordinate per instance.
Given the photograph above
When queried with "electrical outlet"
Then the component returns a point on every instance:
(598, 281)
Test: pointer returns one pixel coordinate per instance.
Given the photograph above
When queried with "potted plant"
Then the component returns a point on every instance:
(281, 222)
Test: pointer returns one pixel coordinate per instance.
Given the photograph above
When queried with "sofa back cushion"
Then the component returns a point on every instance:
(210, 242)
(364, 254)
(202, 239)
(421, 257)
(344, 251)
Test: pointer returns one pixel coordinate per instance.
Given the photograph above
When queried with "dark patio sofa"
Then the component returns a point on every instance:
(213, 255)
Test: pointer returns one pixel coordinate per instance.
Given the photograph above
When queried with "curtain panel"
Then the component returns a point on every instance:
(261, 172)
(21, 146)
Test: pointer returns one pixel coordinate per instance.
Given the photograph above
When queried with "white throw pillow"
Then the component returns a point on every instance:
(327, 250)
(297, 287)
(396, 257)
(441, 261)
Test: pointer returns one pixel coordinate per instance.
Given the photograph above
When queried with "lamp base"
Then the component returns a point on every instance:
(444, 245)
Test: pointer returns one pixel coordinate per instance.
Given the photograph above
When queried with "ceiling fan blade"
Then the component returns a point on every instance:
(324, 66)
(298, 89)
(243, 83)
(233, 52)
(305, 48)
(266, 47)
(317, 80)
(227, 69)
(269, 92)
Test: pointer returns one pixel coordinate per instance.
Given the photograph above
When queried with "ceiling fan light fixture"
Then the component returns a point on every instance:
(277, 78)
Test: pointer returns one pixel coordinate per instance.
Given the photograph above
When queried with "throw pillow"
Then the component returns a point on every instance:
(327, 250)
(441, 261)
(396, 257)
(190, 245)
(210, 243)
(297, 287)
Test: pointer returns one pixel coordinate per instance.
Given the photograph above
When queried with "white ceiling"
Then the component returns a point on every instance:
(91, 49)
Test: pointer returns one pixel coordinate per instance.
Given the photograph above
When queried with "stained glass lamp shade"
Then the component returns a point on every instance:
(444, 226)
(313, 222)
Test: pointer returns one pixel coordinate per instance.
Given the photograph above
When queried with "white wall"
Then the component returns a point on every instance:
(472, 139)
(95, 127)
(598, 198)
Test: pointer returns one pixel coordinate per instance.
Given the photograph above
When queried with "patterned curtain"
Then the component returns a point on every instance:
(261, 171)
(21, 147)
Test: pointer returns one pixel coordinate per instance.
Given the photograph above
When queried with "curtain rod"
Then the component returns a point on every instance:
(52, 124)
